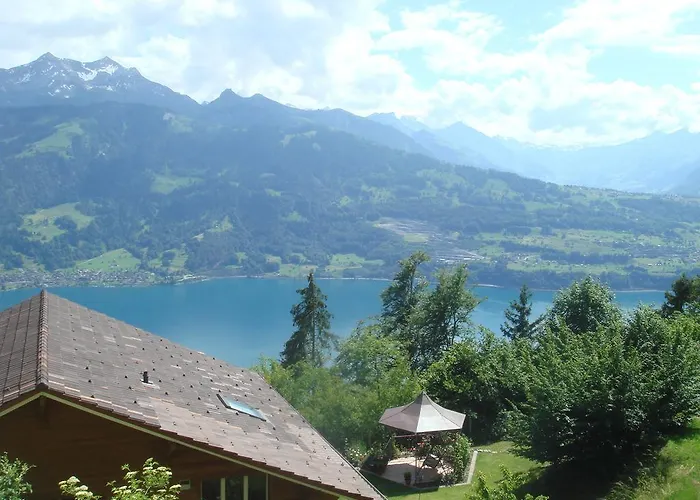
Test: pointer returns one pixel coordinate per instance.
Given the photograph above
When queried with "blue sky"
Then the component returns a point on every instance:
(563, 72)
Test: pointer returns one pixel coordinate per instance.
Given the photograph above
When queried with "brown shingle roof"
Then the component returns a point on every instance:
(51, 343)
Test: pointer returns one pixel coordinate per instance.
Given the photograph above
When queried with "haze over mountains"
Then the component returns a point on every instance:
(659, 163)
(103, 170)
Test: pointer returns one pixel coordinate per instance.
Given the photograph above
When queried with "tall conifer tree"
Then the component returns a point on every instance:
(312, 340)
(517, 324)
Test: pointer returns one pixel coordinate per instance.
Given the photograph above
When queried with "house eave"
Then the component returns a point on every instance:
(175, 439)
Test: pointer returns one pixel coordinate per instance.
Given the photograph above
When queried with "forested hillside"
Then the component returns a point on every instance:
(128, 186)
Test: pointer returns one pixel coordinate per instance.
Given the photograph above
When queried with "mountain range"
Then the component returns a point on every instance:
(104, 170)
(659, 163)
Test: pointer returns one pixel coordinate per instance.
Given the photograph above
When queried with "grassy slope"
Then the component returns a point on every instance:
(435, 199)
(59, 142)
(41, 224)
(675, 475)
(115, 260)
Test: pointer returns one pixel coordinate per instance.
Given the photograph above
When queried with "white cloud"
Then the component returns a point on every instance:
(551, 80)
(298, 8)
(201, 12)
(324, 53)
(639, 23)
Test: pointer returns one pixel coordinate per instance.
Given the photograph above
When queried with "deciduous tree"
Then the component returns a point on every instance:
(611, 393)
(443, 316)
(685, 291)
(482, 379)
(403, 295)
(584, 306)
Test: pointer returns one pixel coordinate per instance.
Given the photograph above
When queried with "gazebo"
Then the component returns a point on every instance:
(422, 417)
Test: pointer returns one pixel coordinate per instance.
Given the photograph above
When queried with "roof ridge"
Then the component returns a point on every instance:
(42, 366)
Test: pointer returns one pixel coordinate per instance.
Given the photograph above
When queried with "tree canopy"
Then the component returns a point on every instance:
(518, 324)
(312, 340)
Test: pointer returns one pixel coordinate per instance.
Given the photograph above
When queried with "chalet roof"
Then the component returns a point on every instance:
(51, 344)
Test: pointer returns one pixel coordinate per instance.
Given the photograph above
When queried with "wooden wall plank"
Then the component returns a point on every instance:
(61, 441)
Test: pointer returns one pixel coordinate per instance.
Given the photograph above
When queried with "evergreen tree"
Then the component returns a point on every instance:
(312, 340)
(517, 324)
(402, 296)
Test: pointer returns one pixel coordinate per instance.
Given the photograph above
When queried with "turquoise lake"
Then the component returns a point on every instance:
(240, 319)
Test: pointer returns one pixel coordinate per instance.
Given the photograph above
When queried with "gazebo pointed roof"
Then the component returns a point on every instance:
(422, 416)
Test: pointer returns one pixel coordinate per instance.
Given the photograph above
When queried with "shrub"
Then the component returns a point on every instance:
(13, 485)
(455, 453)
(460, 457)
(604, 396)
(504, 490)
(355, 453)
(150, 483)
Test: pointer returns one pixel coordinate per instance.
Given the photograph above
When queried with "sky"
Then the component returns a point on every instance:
(550, 72)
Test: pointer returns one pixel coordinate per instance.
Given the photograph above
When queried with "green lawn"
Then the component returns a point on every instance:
(177, 264)
(115, 260)
(41, 224)
(295, 270)
(416, 238)
(295, 217)
(59, 142)
(676, 474)
(487, 463)
(167, 183)
(273, 258)
(342, 261)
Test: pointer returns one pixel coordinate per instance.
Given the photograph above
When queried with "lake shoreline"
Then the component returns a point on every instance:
(239, 320)
(187, 279)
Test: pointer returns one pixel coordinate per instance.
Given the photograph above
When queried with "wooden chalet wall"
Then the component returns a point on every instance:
(61, 441)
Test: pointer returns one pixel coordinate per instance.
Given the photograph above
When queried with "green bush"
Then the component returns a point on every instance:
(355, 453)
(606, 395)
(13, 485)
(459, 457)
(504, 490)
(150, 483)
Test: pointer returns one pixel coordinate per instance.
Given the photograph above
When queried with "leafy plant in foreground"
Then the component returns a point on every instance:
(13, 485)
(152, 482)
(504, 490)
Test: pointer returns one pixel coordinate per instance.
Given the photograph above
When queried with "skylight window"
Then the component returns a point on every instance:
(241, 407)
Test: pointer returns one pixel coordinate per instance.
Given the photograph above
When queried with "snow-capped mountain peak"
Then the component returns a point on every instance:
(49, 79)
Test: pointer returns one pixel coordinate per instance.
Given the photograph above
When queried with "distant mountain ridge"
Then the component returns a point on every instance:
(659, 163)
(50, 80)
(156, 182)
